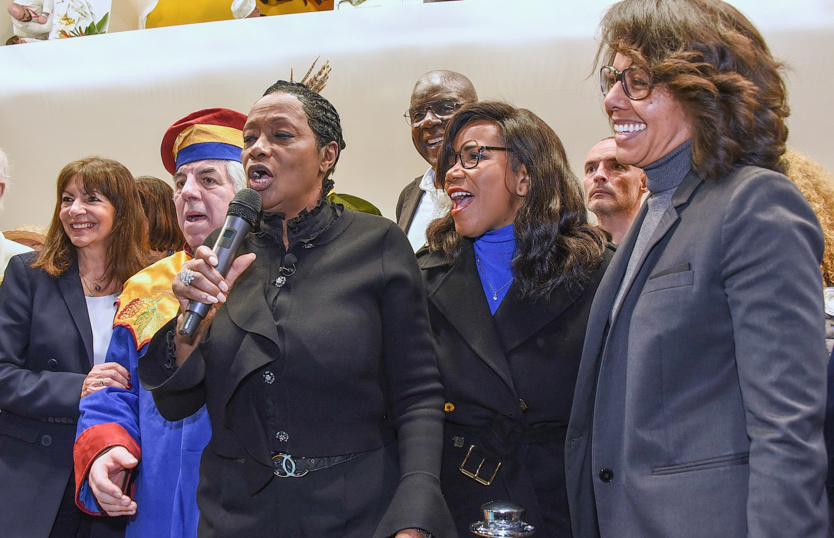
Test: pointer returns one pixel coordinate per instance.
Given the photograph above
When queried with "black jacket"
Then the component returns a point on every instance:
(509, 383)
(346, 342)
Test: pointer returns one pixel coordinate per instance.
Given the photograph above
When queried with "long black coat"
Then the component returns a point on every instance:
(514, 372)
(346, 340)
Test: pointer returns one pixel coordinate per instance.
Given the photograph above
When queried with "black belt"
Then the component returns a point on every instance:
(287, 466)
(496, 442)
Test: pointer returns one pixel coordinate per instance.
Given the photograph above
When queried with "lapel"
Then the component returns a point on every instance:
(69, 285)
(250, 314)
(670, 217)
(517, 320)
(459, 297)
(410, 203)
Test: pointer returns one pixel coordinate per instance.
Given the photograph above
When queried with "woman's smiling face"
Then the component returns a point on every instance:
(281, 157)
(645, 130)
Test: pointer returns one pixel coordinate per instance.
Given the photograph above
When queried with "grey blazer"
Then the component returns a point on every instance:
(698, 409)
(408, 202)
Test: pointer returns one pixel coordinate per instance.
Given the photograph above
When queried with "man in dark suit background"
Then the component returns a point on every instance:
(435, 98)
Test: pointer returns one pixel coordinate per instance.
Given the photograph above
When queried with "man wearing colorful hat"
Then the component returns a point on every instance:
(122, 441)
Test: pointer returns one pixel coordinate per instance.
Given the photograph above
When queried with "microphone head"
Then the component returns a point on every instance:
(247, 205)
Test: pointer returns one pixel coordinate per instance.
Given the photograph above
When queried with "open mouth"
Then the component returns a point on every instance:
(82, 225)
(195, 217)
(259, 176)
(460, 200)
(434, 142)
(626, 128)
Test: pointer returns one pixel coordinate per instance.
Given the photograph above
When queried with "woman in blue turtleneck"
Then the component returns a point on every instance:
(510, 273)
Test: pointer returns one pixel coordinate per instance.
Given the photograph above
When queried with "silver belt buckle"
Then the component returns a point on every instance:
(287, 467)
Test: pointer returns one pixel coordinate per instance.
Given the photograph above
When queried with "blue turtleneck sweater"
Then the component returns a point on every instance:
(493, 253)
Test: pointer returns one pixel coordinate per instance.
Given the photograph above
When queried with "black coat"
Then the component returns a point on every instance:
(346, 340)
(513, 374)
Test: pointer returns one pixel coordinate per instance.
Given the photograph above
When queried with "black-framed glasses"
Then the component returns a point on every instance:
(637, 81)
(442, 109)
(470, 154)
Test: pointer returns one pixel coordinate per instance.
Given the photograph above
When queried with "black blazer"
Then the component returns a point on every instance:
(351, 347)
(518, 367)
(407, 203)
(46, 350)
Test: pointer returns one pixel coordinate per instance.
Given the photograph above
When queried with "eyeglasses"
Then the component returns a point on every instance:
(470, 154)
(442, 109)
(637, 81)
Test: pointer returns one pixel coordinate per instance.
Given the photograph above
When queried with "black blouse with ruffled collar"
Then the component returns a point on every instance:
(305, 228)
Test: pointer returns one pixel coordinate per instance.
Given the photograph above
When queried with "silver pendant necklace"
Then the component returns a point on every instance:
(91, 286)
(494, 291)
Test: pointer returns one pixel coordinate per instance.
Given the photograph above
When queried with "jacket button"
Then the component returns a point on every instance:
(282, 436)
(606, 475)
(457, 441)
(269, 377)
(52, 363)
(46, 440)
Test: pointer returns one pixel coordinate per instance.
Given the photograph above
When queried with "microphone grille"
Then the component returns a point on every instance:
(247, 205)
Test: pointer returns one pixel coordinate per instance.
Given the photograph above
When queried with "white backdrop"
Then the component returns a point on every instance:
(114, 95)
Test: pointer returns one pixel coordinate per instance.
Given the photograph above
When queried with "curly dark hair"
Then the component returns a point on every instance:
(717, 65)
(321, 117)
(555, 245)
(128, 250)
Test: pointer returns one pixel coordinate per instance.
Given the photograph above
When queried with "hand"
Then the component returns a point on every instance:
(207, 286)
(109, 374)
(107, 474)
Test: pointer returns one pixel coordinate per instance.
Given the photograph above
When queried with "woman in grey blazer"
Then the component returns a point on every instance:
(699, 402)
(56, 316)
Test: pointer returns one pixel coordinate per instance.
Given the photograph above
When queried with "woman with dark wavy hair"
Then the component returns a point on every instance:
(510, 272)
(699, 403)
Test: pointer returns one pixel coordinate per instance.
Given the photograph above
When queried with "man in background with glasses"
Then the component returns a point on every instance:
(436, 97)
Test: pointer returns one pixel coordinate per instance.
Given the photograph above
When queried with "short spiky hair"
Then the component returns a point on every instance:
(717, 65)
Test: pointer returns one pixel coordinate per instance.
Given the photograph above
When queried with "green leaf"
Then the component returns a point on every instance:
(102, 23)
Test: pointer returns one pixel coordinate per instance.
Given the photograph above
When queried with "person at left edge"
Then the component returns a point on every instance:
(8, 248)
(56, 318)
(316, 365)
(120, 430)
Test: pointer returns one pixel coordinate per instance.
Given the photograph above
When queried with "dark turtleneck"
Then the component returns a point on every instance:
(662, 179)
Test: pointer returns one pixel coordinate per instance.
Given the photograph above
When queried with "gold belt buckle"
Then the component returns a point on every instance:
(475, 476)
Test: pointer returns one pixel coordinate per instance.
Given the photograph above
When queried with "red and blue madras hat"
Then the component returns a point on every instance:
(211, 133)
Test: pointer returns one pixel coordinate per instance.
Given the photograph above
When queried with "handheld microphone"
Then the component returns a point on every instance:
(244, 210)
